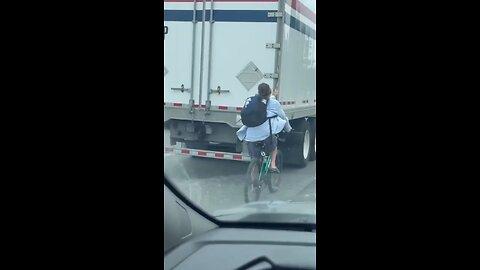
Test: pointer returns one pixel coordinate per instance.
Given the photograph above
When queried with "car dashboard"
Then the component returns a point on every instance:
(234, 248)
(192, 241)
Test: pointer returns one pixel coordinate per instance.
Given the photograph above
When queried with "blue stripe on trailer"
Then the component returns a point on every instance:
(177, 15)
(300, 26)
(220, 15)
(239, 16)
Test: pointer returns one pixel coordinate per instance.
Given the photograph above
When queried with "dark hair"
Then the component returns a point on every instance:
(264, 90)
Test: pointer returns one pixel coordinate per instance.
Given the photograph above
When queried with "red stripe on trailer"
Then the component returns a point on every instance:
(222, 107)
(302, 9)
(239, 108)
(207, 154)
(246, 0)
(295, 4)
(177, 104)
(187, 1)
(195, 106)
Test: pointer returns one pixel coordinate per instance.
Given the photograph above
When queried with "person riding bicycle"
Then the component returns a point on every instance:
(278, 121)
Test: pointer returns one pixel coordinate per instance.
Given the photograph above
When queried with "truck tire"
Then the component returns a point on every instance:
(300, 152)
(313, 139)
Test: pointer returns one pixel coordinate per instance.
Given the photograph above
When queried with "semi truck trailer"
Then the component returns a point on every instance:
(216, 54)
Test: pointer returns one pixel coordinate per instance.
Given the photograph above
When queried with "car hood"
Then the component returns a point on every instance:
(271, 211)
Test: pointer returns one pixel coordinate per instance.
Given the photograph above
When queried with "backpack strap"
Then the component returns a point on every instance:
(271, 136)
(270, 124)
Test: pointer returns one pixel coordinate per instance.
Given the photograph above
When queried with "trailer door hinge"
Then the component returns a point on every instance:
(181, 89)
(273, 45)
(270, 75)
(219, 90)
(277, 14)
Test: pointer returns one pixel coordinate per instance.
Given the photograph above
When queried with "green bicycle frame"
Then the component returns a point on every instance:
(264, 167)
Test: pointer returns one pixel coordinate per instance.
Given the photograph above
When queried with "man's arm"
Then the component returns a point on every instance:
(277, 109)
(242, 133)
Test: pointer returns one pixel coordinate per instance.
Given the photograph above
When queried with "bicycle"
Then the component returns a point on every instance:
(258, 174)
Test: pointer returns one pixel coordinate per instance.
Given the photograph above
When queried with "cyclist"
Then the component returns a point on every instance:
(261, 133)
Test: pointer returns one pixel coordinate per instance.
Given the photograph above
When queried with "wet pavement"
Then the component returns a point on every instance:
(215, 184)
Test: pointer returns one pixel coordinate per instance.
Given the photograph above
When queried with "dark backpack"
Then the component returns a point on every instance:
(254, 112)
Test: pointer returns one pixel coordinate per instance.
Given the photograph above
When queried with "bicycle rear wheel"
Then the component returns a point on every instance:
(274, 179)
(252, 187)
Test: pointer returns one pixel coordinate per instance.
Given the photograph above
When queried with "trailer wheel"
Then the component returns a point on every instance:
(300, 152)
(313, 141)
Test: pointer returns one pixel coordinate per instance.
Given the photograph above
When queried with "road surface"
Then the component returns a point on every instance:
(216, 184)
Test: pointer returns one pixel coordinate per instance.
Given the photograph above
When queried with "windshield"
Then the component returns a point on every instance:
(240, 108)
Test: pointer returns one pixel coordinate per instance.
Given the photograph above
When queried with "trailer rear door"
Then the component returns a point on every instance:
(236, 54)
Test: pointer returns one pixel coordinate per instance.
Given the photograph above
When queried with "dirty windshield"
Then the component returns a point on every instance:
(240, 107)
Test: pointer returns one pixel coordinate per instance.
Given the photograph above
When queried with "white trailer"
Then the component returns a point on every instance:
(218, 52)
